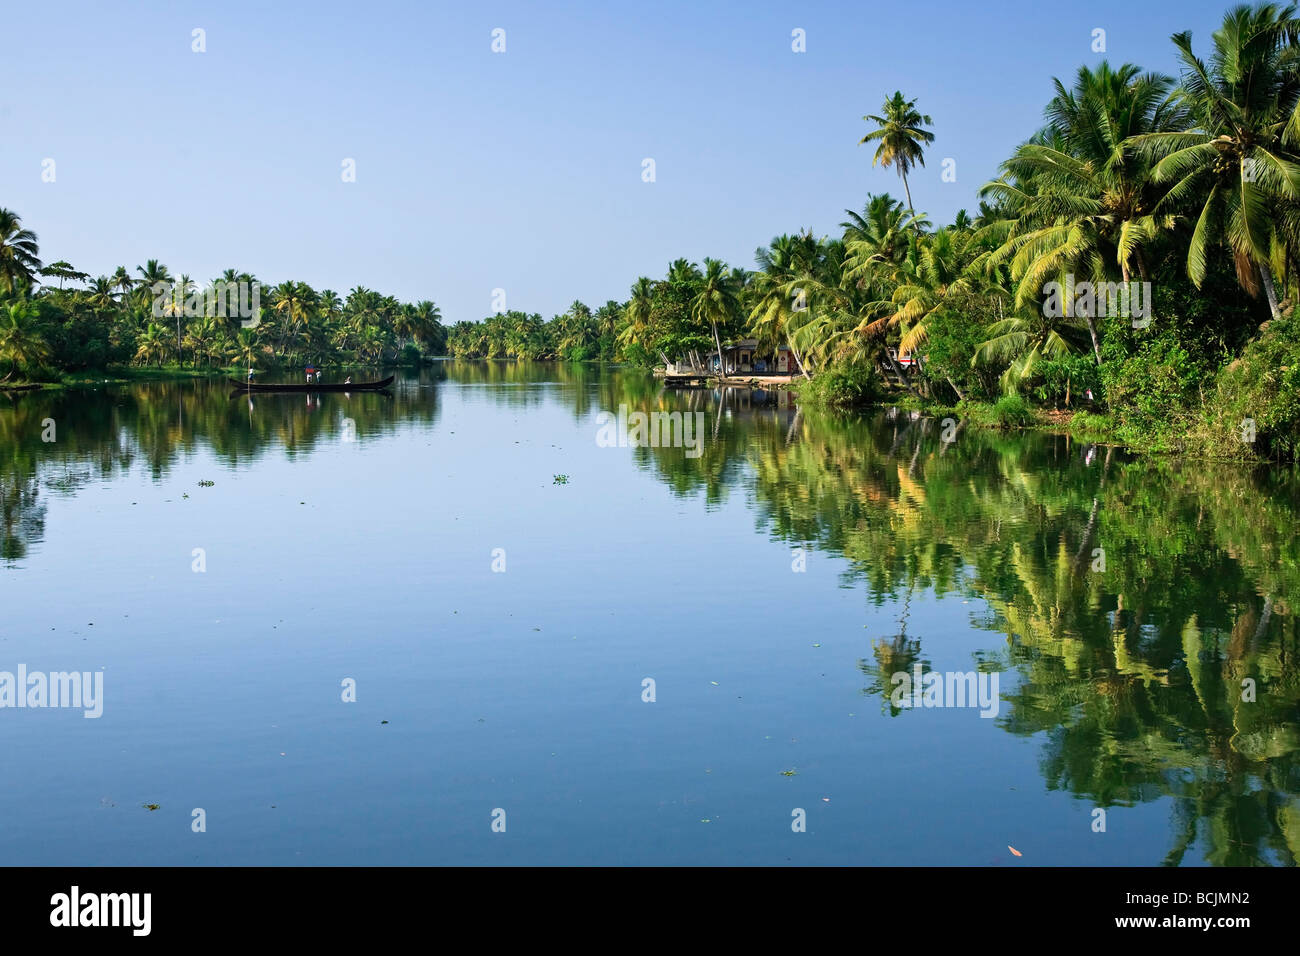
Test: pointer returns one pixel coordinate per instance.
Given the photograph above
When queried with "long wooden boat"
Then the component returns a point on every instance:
(315, 387)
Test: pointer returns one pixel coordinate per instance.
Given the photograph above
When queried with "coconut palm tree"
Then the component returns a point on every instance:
(329, 305)
(428, 326)
(153, 271)
(1079, 198)
(175, 306)
(1230, 170)
(100, 296)
(901, 138)
(247, 348)
(151, 344)
(607, 319)
(639, 307)
(123, 282)
(21, 343)
(1025, 338)
(780, 305)
(717, 303)
(940, 265)
(18, 252)
(879, 234)
(293, 302)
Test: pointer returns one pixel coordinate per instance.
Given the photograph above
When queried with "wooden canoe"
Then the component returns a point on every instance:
(315, 387)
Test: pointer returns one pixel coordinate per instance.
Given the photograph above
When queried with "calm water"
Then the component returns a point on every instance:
(770, 588)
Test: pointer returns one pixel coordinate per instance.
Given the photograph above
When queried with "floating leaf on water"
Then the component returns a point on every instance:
(789, 773)
(1014, 850)
(150, 806)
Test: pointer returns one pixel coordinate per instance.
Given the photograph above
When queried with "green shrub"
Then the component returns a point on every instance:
(1012, 411)
(1261, 389)
(1090, 425)
(842, 386)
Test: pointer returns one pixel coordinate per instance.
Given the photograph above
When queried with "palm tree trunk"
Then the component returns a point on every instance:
(1092, 328)
(1096, 348)
(797, 358)
(722, 362)
(1266, 276)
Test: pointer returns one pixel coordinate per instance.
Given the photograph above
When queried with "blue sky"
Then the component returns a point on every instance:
(518, 170)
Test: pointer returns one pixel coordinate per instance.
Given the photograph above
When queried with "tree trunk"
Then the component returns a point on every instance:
(1266, 276)
(953, 385)
(898, 370)
(1092, 331)
(1092, 328)
(797, 359)
(722, 362)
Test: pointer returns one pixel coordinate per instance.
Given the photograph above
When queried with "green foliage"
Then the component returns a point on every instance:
(950, 349)
(1065, 381)
(842, 386)
(1263, 386)
(1012, 411)
(1088, 425)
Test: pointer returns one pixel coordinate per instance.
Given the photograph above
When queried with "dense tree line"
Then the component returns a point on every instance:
(56, 319)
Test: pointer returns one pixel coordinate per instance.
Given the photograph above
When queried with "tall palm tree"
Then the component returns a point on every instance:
(1241, 156)
(18, 252)
(151, 274)
(123, 282)
(607, 318)
(780, 306)
(100, 295)
(176, 307)
(902, 138)
(293, 301)
(639, 306)
(717, 303)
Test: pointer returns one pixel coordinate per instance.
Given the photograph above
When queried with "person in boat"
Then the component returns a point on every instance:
(250, 374)
(311, 370)
(348, 380)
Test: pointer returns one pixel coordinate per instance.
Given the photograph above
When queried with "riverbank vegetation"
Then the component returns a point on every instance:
(59, 323)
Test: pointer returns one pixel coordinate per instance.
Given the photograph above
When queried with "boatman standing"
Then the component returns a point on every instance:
(311, 370)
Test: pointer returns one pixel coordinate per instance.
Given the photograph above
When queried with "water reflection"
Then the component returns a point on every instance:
(1142, 606)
